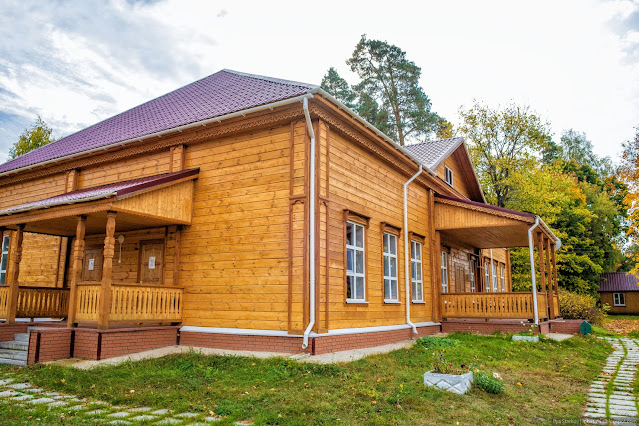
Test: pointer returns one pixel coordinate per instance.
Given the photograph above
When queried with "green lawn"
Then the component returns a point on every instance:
(543, 381)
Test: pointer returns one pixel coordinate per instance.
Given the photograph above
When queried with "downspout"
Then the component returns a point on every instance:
(531, 249)
(407, 249)
(311, 321)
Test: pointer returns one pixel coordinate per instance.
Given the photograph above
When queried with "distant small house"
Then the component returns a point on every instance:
(620, 290)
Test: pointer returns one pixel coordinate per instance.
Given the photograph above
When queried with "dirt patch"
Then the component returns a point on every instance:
(622, 326)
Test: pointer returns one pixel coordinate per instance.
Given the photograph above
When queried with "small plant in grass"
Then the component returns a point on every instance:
(489, 383)
(430, 342)
(442, 366)
(529, 330)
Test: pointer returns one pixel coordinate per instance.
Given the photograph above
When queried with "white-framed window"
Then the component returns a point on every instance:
(355, 259)
(416, 271)
(390, 267)
(449, 176)
(503, 280)
(471, 276)
(619, 299)
(444, 272)
(487, 277)
(4, 257)
(494, 271)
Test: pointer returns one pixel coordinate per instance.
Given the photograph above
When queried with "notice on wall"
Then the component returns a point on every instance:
(91, 265)
(151, 262)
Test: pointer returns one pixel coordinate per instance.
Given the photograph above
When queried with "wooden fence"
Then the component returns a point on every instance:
(132, 303)
(492, 305)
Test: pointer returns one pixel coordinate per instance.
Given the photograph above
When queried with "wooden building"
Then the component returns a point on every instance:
(247, 212)
(620, 291)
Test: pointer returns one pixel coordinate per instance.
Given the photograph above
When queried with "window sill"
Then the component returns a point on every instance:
(419, 302)
(393, 302)
(619, 306)
(356, 302)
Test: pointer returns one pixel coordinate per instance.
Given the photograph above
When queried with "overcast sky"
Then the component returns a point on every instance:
(575, 62)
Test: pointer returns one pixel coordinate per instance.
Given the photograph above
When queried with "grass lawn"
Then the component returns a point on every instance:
(542, 381)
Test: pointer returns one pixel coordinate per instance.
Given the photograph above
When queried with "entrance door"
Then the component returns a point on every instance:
(460, 279)
(151, 261)
(92, 265)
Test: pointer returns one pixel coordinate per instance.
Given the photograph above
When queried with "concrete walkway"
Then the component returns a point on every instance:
(611, 398)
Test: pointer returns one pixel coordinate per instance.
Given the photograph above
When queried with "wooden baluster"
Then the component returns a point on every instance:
(107, 269)
(78, 256)
(15, 256)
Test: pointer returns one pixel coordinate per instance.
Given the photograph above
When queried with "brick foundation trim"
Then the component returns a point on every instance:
(51, 344)
(490, 327)
(8, 330)
(48, 344)
(317, 345)
(566, 326)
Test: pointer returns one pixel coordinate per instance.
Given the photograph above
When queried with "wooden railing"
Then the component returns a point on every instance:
(492, 305)
(4, 295)
(132, 303)
(42, 302)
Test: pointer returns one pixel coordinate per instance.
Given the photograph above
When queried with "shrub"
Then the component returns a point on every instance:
(581, 306)
(488, 383)
(430, 342)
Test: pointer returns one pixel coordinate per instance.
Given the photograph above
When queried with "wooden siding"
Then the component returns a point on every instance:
(632, 303)
(126, 169)
(360, 182)
(234, 257)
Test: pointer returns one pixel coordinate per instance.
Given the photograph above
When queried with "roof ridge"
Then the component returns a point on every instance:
(272, 79)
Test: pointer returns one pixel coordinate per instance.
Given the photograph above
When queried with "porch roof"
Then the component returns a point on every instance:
(485, 226)
(158, 200)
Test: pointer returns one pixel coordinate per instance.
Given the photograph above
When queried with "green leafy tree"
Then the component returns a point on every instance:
(502, 143)
(389, 94)
(629, 173)
(35, 136)
(334, 84)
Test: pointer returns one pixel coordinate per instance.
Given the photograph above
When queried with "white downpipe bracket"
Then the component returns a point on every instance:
(407, 249)
(311, 236)
(531, 249)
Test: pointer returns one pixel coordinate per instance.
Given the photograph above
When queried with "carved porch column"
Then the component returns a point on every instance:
(78, 256)
(551, 284)
(15, 256)
(107, 267)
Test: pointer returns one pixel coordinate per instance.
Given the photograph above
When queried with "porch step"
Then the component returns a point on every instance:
(15, 345)
(13, 354)
(21, 337)
(13, 362)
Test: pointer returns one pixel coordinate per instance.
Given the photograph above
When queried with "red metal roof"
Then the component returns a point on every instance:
(618, 281)
(222, 93)
(118, 190)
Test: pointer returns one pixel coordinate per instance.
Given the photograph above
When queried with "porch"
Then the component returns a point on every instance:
(486, 227)
(91, 296)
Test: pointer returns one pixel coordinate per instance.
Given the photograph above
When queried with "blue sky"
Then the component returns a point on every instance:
(575, 62)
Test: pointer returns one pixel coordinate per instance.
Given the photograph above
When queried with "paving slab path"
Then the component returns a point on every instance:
(611, 398)
(24, 394)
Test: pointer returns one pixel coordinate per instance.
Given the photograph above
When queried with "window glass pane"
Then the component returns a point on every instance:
(418, 273)
(387, 289)
(2, 275)
(359, 262)
(349, 234)
(412, 249)
(5, 243)
(393, 244)
(359, 291)
(394, 290)
(386, 266)
(386, 250)
(418, 251)
(413, 270)
(349, 260)
(359, 239)
(3, 262)
(349, 287)
(393, 267)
